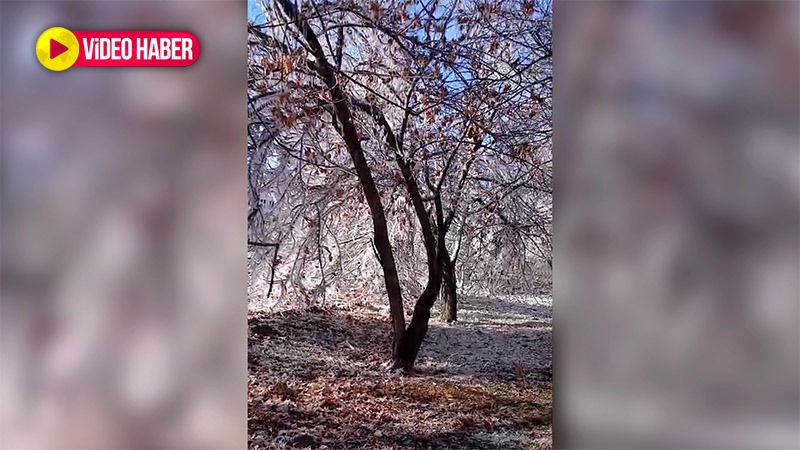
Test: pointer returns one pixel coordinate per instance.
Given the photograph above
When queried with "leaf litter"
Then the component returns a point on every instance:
(318, 380)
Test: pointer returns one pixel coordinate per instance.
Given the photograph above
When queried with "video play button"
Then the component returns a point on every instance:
(57, 49)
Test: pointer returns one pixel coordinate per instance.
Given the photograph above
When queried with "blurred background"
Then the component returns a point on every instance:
(677, 230)
(677, 145)
(123, 235)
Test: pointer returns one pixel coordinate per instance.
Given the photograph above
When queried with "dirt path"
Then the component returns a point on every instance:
(317, 380)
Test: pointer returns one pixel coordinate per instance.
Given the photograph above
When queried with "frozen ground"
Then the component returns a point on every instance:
(317, 380)
(496, 337)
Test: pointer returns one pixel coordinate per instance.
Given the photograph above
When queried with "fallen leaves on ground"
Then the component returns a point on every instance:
(317, 380)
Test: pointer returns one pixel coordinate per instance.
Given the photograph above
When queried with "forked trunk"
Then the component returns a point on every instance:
(407, 348)
(406, 341)
(407, 353)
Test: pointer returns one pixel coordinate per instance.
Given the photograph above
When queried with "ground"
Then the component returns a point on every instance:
(317, 380)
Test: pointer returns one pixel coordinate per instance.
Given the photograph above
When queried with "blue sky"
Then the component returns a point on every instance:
(254, 11)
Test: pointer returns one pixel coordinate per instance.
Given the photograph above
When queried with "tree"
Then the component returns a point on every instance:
(439, 111)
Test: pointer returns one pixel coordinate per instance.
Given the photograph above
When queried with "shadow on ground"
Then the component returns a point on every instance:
(493, 338)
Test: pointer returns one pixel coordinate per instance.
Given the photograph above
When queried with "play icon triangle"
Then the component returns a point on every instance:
(57, 48)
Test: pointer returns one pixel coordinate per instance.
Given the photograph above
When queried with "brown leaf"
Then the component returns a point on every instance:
(375, 9)
(286, 66)
(464, 422)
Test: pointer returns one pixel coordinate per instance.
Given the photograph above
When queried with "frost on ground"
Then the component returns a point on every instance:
(493, 337)
(317, 380)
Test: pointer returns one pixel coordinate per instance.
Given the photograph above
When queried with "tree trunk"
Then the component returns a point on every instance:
(406, 353)
(449, 305)
(415, 334)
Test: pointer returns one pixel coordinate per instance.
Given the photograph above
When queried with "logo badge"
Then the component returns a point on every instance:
(57, 49)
